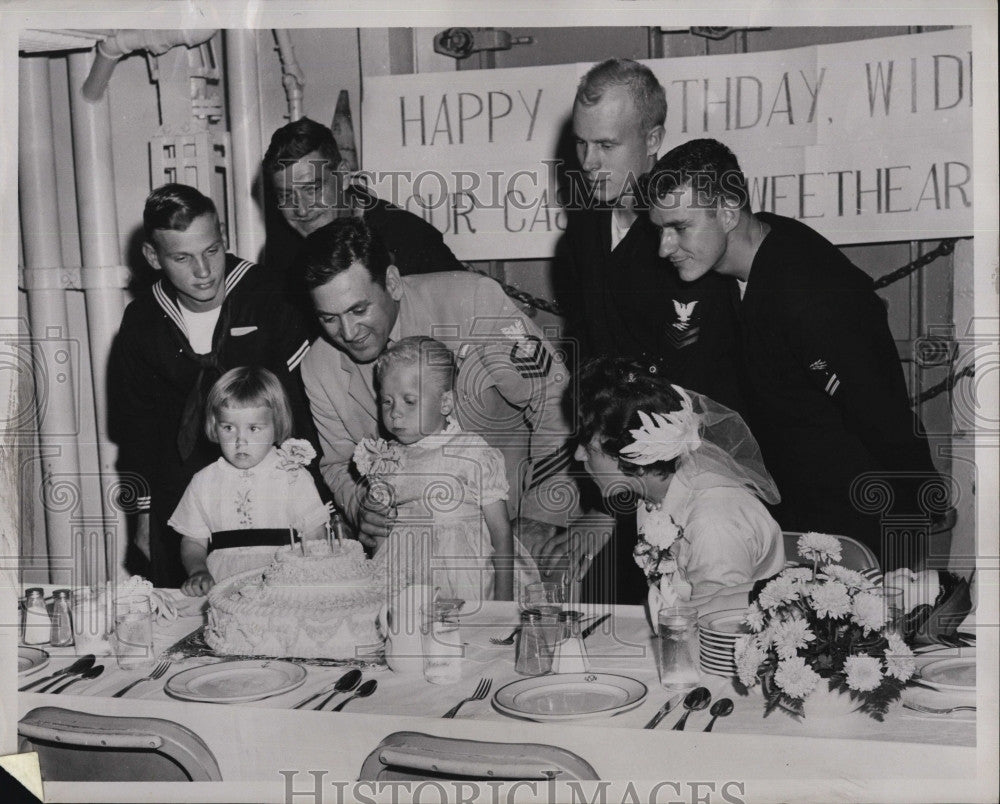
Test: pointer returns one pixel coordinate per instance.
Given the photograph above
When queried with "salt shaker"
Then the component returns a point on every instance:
(61, 634)
(37, 624)
(534, 652)
(570, 654)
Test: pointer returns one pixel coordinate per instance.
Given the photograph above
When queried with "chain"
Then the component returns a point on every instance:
(944, 248)
(521, 296)
(944, 385)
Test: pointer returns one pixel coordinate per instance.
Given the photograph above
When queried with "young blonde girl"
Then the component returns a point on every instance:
(452, 529)
(237, 509)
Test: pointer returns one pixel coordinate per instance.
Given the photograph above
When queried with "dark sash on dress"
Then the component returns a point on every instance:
(252, 537)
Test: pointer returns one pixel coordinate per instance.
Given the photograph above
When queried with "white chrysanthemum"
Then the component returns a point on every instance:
(660, 530)
(754, 617)
(778, 591)
(831, 599)
(848, 577)
(791, 635)
(795, 677)
(864, 673)
(868, 611)
(899, 661)
(819, 547)
(748, 655)
(798, 574)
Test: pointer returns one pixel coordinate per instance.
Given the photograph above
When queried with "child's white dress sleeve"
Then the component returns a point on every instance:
(306, 507)
(494, 487)
(191, 516)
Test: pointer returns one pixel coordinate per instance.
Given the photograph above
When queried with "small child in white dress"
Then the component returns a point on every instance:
(236, 510)
(452, 529)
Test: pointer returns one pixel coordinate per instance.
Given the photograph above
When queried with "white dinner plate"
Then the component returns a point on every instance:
(957, 674)
(719, 671)
(236, 681)
(707, 657)
(728, 651)
(728, 623)
(30, 659)
(718, 665)
(569, 696)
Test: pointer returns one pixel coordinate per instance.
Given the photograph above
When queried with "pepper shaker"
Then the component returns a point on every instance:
(61, 634)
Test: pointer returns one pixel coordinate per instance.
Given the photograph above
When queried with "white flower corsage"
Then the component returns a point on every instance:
(376, 457)
(295, 452)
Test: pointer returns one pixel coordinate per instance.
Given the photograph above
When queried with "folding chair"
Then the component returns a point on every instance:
(854, 554)
(414, 756)
(82, 747)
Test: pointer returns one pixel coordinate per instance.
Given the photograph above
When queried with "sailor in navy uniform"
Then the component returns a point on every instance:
(825, 392)
(158, 380)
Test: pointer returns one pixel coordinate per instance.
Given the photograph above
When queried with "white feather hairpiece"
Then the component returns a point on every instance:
(664, 436)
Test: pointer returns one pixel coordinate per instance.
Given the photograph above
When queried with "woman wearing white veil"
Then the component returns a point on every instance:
(697, 473)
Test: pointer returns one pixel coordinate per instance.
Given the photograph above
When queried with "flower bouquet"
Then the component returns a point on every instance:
(824, 625)
(656, 554)
(375, 459)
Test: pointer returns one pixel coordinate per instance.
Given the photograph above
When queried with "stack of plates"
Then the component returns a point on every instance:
(718, 633)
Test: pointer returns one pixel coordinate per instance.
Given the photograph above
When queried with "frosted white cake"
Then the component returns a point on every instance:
(320, 605)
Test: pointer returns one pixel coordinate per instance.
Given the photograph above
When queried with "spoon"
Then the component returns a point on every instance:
(720, 708)
(697, 699)
(93, 672)
(346, 682)
(364, 691)
(79, 666)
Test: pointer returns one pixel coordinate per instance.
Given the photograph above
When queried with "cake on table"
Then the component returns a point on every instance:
(322, 604)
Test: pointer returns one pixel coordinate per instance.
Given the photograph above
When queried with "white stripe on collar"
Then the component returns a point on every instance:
(299, 353)
(169, 307)
(234, 276)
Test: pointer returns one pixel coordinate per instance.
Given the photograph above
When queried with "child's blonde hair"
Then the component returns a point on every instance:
(429, 354)
(249, 387)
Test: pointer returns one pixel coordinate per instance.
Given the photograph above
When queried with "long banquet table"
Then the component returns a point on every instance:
(811, 759)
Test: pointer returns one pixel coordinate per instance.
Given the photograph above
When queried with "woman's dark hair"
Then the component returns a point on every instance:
(611, 392)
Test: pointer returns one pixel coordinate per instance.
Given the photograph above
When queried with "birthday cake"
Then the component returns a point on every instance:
(321, 603)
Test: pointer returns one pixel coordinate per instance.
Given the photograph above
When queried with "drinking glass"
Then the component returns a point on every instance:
(91, 630)
(133, 635)
(441, 640)
(678, 645)
(548, 597)
(892, 598)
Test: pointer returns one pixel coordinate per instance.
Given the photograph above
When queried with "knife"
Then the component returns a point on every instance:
(586, 632)
(664, 711)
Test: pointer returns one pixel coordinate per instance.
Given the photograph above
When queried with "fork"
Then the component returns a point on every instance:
(482, 690)
(509, 640)
(932, 711)
(158, 672)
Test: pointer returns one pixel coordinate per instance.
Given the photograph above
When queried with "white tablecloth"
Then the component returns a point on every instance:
(254, 741)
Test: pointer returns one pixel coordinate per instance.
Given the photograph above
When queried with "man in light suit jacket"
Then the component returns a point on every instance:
(510, 380)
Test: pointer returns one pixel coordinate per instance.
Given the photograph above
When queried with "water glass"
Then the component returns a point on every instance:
(547, 597)
(133, 635)
(892, 599)
(441, 641)
(678, 647)
(91, 631)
